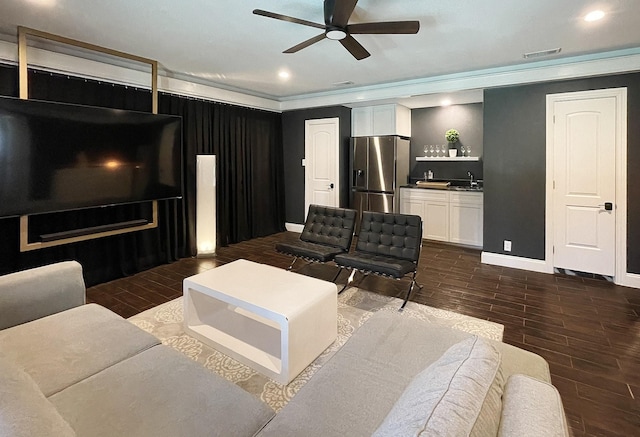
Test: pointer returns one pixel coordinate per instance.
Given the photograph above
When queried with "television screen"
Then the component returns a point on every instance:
(57, 157)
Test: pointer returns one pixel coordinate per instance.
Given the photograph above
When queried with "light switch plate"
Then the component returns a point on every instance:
(507, 245)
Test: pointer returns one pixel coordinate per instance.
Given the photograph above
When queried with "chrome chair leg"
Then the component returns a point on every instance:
(295, 258)
(413, 283)
(349, 281)
(337, 274)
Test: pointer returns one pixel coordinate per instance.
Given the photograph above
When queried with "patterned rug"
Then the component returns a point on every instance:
(354, 308)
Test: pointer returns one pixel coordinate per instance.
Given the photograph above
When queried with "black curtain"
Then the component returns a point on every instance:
(248, 148)
(250, 191)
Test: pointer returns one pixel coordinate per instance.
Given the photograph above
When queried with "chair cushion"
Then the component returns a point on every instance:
(313, 251)
(394, 235)
(458, 395)
(329, 226)
(385, 265)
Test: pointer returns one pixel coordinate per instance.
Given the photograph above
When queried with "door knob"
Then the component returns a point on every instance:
(331, 186)
(608, 206)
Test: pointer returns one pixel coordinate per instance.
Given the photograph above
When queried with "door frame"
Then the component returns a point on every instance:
(620, 94)
(308, 158)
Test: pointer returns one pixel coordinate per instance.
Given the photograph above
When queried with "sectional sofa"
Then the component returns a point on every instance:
(72, 369)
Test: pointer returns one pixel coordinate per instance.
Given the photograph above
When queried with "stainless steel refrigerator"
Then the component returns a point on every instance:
(379, 167)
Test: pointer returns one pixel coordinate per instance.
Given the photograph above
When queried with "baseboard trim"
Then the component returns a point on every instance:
(515, 262)
(629, 280)
(294, 227)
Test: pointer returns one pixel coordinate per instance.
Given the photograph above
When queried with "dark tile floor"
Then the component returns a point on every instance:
(588, 330)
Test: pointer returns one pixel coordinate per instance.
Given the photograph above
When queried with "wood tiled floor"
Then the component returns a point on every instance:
(588, 330)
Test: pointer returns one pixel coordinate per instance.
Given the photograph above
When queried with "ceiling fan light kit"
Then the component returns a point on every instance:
(336, 27)
(336, 34)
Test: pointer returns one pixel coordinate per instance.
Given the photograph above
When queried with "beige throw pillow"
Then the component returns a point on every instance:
(457, 395)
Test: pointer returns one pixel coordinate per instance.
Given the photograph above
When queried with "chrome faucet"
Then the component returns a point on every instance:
(472, 183)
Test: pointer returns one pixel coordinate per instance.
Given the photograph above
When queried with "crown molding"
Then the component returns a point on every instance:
(614, 62)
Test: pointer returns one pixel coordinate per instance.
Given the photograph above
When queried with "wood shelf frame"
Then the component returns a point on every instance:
(86, 233)
(23, 85)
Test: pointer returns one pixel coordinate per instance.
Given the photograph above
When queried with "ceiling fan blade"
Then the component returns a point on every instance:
(287, 18)
(338, 12)
(306, 43)
(355, 48)
(396, 27)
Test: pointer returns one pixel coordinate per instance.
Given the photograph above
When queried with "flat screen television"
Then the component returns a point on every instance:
(57, 157)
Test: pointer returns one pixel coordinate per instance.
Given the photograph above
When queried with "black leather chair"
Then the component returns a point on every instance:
(327, 232)
(388, 245)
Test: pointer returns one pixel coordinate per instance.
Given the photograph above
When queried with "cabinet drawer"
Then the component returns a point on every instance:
(425, 194)
(466, 197)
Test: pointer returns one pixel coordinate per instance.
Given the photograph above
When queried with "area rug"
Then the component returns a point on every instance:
(355, 306)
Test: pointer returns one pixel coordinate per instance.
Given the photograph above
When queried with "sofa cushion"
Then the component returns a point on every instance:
(62, 349)
(159, 392)
(459, 394)
(532, 408)
(24, 411)
(353, 392)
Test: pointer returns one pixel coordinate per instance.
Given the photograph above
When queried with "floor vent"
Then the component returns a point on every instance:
(583, 274)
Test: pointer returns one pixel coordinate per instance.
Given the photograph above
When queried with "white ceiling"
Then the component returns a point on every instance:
(223, 44)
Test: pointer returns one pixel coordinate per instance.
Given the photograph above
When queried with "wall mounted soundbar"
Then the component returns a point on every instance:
(92, 230)
(83, 234)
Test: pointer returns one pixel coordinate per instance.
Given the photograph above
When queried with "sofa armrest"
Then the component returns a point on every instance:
(531, 408)
(39, 292)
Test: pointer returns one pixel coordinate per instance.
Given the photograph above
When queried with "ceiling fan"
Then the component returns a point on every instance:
(336, 27)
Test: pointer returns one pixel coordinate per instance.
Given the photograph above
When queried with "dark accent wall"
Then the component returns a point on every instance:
(428, 126)
(293, 150)
(514, 164)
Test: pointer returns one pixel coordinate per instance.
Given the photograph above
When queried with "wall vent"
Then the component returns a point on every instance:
(542, 53)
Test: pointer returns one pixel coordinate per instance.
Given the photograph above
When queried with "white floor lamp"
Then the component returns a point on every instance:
(206, 205)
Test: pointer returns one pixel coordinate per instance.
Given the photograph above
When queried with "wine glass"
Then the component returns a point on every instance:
(431, 150)
(468, 150)
(437, 150)
(426, 150)
(462, 150)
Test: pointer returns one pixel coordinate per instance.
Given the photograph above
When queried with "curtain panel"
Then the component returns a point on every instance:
(250, 191)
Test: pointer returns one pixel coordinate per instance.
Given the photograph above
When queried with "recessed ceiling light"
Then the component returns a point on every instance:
(542, 53)
(445, 102)
(594, 16)
(284, 74)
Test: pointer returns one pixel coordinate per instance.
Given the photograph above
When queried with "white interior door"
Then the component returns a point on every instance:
(321, 162)
(584, 173)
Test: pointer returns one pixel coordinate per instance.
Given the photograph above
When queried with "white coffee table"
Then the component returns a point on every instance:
(274, 321)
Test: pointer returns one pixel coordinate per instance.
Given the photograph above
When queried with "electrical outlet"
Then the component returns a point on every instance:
(507, 245)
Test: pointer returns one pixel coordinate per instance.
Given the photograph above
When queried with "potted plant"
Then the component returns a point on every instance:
(452, 136)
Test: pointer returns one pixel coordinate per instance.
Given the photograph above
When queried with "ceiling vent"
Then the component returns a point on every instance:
(344, 83)
(541, 53)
